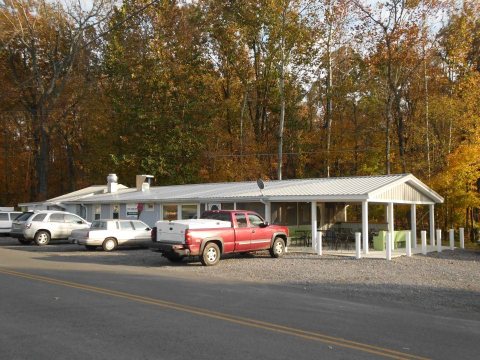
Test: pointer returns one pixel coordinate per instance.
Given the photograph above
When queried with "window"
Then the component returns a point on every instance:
(72, 219)
(255, 220)
(252, 206)
(39, 217)
(97, 212)
(189, 211)
(170, 212)
(101, 225)
(138, 225)
(25, 216)
(227, 206)
(56, 218)
(126, 225)
(15, 215)
(241, 220)
(4, 216)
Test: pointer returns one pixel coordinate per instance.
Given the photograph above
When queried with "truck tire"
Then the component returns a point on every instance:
(42, 238)
(210, 255)
(175, 258)
(278, 248)
(109, 244)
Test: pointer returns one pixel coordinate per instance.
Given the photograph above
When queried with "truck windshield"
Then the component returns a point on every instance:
(216, 216)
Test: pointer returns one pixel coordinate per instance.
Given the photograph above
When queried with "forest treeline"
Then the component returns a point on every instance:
(231, 90)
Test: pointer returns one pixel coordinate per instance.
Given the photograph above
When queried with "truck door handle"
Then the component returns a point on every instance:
(253, 231)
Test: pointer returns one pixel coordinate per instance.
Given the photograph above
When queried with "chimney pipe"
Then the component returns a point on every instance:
(112, 183)
(143, 182)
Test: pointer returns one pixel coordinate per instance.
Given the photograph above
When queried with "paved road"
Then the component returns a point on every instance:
(61, 310)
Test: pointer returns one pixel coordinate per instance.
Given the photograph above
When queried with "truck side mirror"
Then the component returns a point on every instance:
(264, 224)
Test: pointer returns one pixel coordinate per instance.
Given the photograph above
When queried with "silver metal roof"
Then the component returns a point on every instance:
(342, 189)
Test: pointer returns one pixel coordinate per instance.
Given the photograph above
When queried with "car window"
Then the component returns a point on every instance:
(39, 217)
(101, 225)
(126, 225)
(138, 225)
(56, 218)
(255, 220)
(72, 219)
(25, 216)
(241, 220)
(4, 216)
(15, 215)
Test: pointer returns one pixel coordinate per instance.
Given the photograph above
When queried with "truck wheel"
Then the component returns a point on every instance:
(175, 258)
(42, 238)
(278, 248)
(210, 255)
(109, 244)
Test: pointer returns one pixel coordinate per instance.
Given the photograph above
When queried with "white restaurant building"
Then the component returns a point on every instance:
(361, 203)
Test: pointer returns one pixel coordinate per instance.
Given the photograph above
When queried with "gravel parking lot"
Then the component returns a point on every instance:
(449, 280)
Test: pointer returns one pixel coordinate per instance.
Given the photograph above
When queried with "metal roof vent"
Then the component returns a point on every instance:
(112, 183)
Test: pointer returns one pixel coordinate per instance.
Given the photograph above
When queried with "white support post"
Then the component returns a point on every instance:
(432, 224)
(388, 244)
(413, 220)
(408, 244)
(439, 240)
(462, 238)
(314, 225)
(423, 235)
(391, 227)
(268, 211)
(358, 240)
(451, 234)
(319, 243)
(365, 226)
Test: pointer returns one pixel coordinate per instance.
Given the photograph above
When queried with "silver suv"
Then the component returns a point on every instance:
(42, 226)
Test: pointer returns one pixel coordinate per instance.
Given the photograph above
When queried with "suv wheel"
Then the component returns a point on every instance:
(210, 255)
(278, 248)
(109, 244)
(42, 238)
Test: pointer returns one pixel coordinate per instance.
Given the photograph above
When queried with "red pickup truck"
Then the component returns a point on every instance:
(218, 232)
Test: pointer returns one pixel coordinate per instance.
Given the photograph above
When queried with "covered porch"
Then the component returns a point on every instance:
(335, 218)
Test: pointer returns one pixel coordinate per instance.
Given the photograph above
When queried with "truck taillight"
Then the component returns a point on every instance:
(153, 234)
(188, 237)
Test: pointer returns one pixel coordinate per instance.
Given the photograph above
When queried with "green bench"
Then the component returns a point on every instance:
(399, 239)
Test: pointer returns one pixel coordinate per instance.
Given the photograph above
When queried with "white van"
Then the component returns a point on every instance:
(6, 218)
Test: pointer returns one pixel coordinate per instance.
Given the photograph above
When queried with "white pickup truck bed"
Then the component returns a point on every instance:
(174, 231)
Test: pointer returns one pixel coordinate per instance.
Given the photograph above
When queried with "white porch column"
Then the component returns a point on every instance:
(413, 220)
(432, 224)
(365, 226)
(391, 226)
(268, 211)
(314, 225)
